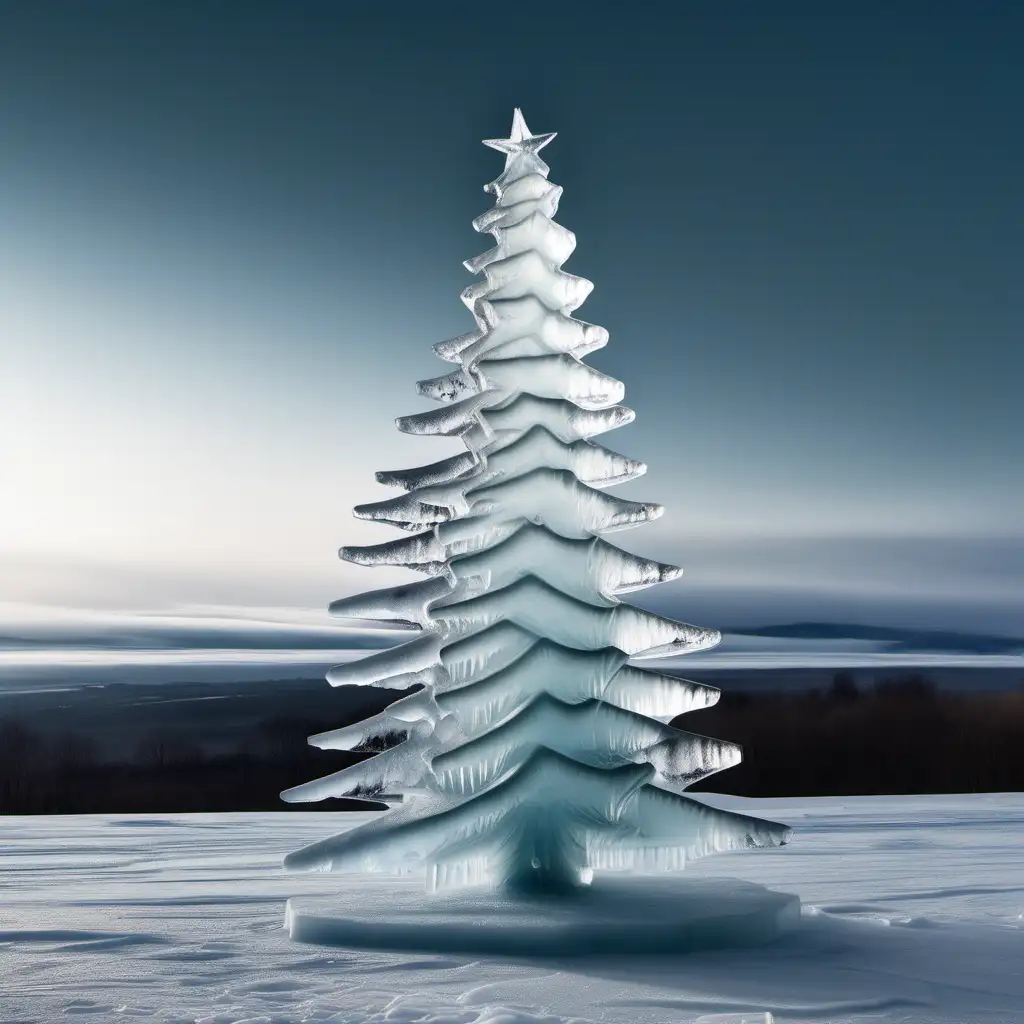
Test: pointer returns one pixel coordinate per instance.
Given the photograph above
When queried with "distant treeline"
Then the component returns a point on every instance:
(899, 736)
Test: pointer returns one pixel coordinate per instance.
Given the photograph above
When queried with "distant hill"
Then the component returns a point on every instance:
(899, 639)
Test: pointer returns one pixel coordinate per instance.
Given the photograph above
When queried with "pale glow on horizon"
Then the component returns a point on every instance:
(123, 447)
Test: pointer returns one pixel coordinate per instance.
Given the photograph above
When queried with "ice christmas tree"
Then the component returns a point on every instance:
(535, 752)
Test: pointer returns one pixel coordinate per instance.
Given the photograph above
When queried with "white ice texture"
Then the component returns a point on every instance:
(533, 752)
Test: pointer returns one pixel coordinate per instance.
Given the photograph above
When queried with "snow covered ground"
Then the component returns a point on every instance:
(913, 912)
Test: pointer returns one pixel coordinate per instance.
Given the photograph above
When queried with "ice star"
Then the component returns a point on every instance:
(520, 141)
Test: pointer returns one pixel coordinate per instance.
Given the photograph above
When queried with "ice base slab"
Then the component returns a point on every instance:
(614, 916)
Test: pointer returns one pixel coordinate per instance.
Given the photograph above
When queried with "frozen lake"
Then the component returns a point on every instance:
(913, 912)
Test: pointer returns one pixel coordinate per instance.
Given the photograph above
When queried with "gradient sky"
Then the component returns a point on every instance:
(230, 232)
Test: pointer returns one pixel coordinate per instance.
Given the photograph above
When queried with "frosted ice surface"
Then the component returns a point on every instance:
(548, 376)
(656, 695)
(422, 507)
(587, 569)
(564, 419)
(553, 496)
(502, 216)
(508, 418)
(409, 664)
(461, 756)
(372, 733)
(518, 190)
(506, 457)
(555, 376)
(591, 732)
(529, 273)
(422, 551)
(571, 676)
(555, 814)
(441, 472)
(533, 752)
(522, 327)
(558, 500)
(545, 611)
(403, 607)
(451, 420)
(538, 448)
(545, 667)
(536, 233)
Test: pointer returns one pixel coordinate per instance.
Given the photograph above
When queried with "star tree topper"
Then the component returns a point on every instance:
(521, 148)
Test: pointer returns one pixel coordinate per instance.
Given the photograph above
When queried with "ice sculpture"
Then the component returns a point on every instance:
(534, 752)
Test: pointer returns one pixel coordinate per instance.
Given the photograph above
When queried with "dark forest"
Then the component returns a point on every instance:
(901, 735)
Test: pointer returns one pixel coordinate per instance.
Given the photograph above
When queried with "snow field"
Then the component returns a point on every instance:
(913, 913)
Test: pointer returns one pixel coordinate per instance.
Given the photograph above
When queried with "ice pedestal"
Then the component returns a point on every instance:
(618, 916)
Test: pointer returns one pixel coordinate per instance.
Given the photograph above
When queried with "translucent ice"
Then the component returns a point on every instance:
(588, 569)
(442, 754)
(543, 610)
(506, 457)
(534, 751)
(538, 448)
(555, 818)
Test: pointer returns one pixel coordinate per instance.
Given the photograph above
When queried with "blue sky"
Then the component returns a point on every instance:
(229, 235)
